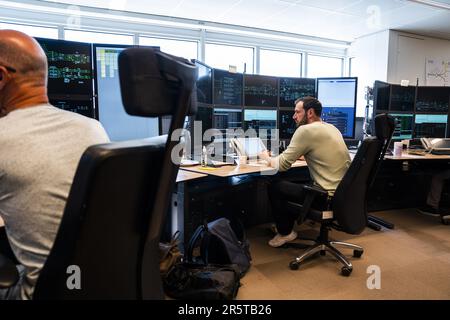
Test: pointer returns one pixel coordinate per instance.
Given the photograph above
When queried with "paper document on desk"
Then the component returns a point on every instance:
(417, 152)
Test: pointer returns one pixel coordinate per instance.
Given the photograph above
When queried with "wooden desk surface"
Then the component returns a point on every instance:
(407, 156)
(184, 175)
(229, 171)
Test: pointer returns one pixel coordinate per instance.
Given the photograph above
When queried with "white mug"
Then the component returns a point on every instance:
(398, 149)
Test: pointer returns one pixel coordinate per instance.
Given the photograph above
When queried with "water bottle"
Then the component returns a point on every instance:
(204, 155)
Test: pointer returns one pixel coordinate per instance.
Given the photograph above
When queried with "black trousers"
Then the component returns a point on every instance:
(280, 192)
(5, 248)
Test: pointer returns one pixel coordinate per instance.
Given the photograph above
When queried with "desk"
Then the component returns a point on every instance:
(223, 192)
(407, 156)
(184, 175)
(403, 181)
(230, 171)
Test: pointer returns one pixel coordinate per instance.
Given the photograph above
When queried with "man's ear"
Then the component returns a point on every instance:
(2, 78)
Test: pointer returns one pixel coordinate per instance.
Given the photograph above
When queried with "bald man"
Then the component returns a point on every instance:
(40, 149)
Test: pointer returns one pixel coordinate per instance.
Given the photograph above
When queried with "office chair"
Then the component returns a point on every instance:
(346, 210)
(382, 131)
(116, 207)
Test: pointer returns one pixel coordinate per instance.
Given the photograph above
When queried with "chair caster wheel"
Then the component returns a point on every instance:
(322, 252)
(346, 271)
(357, 253)
(294, 265)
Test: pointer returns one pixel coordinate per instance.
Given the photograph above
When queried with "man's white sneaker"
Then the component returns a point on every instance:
(279, 239)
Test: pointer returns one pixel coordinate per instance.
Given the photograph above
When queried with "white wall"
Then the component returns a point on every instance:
(408, 54)
(369, 63)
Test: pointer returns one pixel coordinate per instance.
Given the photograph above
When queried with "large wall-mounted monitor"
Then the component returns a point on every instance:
(204, 83)
(338, 98)
(260, 91)
(403, 126)
(260, 119)
(433, 99)
(228, 88)
(166, 121)
(69, 67)
(287, 124)
(430, 125)
(81, 106)
(402, 98)
(292, 89)
(118, 124)
(205, 116)
(224, 118)
(381, 95)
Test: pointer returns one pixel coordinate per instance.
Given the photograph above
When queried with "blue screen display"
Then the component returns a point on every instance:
(338, 98)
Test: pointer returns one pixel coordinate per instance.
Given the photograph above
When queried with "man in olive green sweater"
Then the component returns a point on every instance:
(324, 149)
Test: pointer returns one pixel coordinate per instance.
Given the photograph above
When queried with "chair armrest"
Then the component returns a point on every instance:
(311, 192)
(315, 189)
(9, 275)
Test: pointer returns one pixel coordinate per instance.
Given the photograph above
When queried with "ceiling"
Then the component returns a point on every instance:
(332, 19)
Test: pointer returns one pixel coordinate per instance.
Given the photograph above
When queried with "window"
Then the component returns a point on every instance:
(319, 66)
(98, 37)
(185, 49)
(40, 32)
(222, 56)
(352, 67)
(280, 64)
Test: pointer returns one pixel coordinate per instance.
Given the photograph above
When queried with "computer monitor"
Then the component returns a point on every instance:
(432, 99)
(248, 146)
(205, 116)
(118, 124)
(260, 119)
(224, 118)
(204, 83)
(260, 91)
(287, 125)
(165, 122)
(338, 98)
(430, 125)
(84, 107)
(402, 98)
(69, 67)
(381, 95)
(292, 89)
(403, 126)
(228, 88)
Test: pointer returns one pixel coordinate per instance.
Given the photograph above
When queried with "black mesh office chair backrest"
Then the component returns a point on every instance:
(350, 198)
(384, 129)
(349, 201)
(105, 223)
(114, 215)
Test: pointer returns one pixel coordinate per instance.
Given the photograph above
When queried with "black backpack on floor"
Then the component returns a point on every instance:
(202, 282)
(217, 243)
